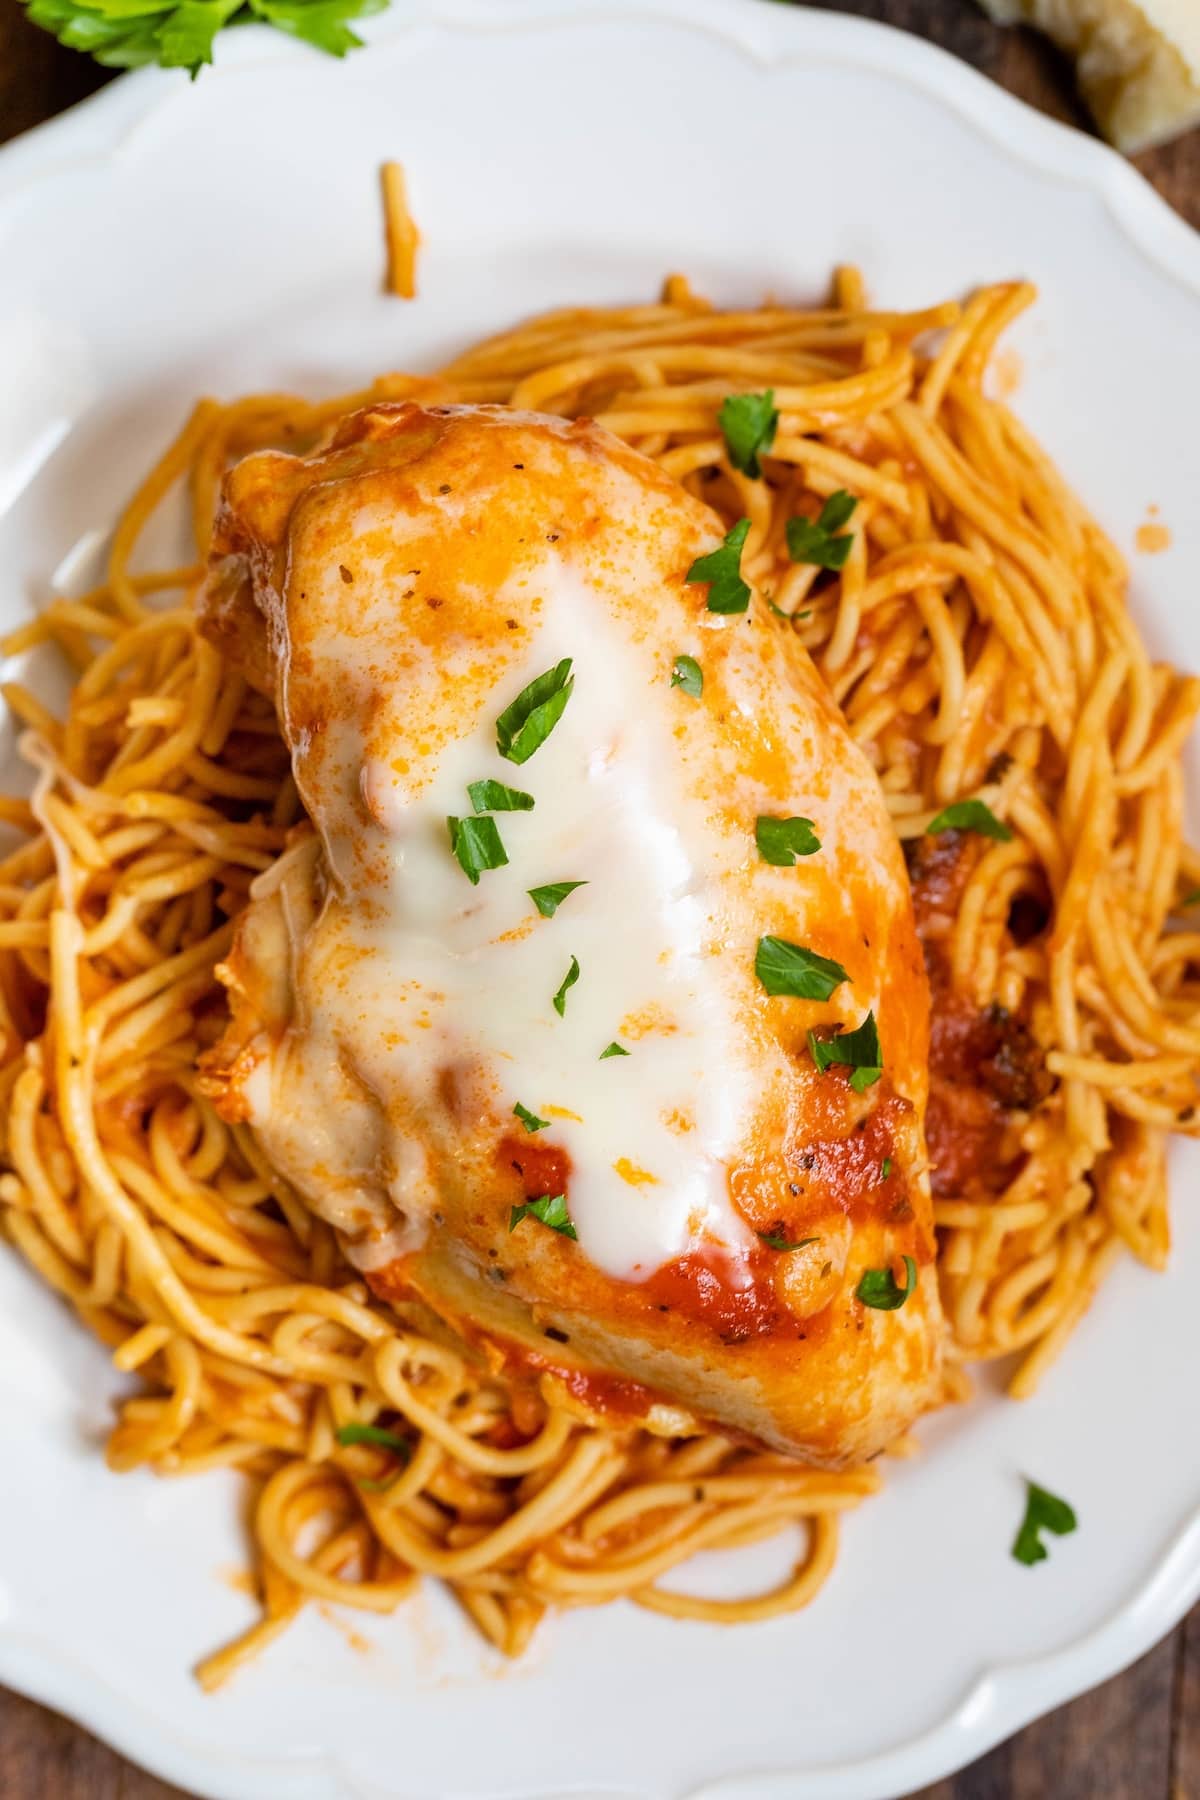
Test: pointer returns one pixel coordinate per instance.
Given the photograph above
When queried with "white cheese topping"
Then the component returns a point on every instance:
(432, 974)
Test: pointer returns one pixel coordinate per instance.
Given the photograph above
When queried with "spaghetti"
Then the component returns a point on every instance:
(978, 642)
(403, 238)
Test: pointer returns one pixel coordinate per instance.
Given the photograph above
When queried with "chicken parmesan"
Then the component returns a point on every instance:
(591, 1010)
(624, 917)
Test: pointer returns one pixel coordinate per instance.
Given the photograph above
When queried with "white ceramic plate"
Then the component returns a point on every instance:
(168, 238)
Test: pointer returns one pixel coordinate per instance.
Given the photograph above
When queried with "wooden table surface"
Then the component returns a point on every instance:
(1136, 1738)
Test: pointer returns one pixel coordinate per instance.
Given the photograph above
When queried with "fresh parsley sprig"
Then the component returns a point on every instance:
(688, 675)
(859, 1049)
(527, 721)
(970, 815)
(559, 1001)
(550, 1210)
(722, 569)
(781, 841)
(179, 34)
(748, 424)
(356, 1433)
(495, 796)
(778, 1240)
(477, 845)
(1044, 1511)
(548, 899)
(880, 1289)
(810, 541)
(530, 1120)
(785, 968)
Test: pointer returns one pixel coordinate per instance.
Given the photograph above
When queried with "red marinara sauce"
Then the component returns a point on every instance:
(983, 1062)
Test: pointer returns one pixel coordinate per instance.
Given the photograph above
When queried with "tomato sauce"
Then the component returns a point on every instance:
(983, 1062)
(541, 1169)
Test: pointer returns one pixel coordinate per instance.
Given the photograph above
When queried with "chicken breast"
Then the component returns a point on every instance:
(588, 1128)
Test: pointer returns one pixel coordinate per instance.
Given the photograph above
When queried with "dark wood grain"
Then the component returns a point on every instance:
(1138, 1736)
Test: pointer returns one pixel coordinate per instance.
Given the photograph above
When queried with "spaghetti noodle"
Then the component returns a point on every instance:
(978, 642)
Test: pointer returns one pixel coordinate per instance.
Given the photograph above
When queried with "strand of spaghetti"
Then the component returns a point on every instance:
(940, 370)
(484, 1460)
(79, 1129)
(651, 1496)
(153, 490)
(590, 1457)
(802, 1586)
(1036, 1362)
(270, 1526)
(403, 237)
(622, 1574)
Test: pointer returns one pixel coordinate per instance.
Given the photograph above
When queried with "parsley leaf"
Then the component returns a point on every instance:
(614, 1049)
(548, 899)
(493, 796)
(785, 968)
(859, 1049)
(530, 1120)
(185, 37)
(568, 981)
(1043, 1512)
(550, 1210)
(180, 33)
(885, 1168)
(878, 1287)
(525, 725)
(970, 815)
(722, 568)
(477, 845)
(810, 542)
(117, 43)
(374, 1434)
(781, 841)
(688, 675)
(775, 1240)
(321, 23)
(1191, 899)
(748, 423)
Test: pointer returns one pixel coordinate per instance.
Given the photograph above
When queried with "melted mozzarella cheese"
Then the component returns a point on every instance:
(433, 974)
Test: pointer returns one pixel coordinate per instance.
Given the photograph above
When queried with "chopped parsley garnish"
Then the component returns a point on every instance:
(748, 423)
(970, 815)
(1043, 1512)
(530, 1120)
(532, 716)
(775, 1240)
(688, 675)
(859, 1049)
(178, 34)
(548, 899)
(550, 1210)
(781, 841)
(568, 981)
(885, 1168)
(817, 543)
(1191, 899)
(374, 1434)
(494, 796)
(722, 569)
(785, 968)
(878, 1287)
(614, 1049)
(477, 845)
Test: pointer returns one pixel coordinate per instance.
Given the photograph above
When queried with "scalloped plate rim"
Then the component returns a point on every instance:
(999, 1700)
